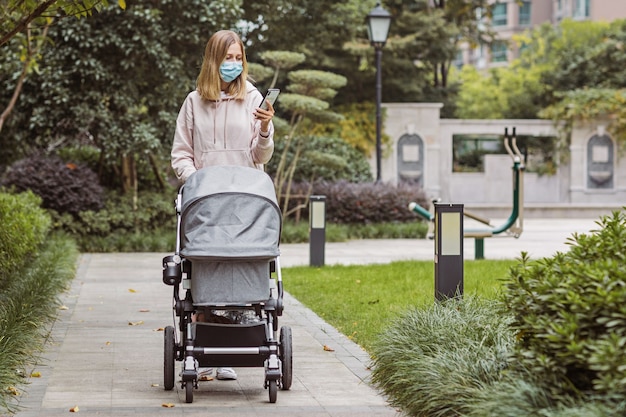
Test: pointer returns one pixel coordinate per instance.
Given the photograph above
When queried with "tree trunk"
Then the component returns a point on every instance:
(157, 173)
(31, 53)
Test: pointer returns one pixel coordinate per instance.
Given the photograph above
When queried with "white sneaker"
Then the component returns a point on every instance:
(226, 373)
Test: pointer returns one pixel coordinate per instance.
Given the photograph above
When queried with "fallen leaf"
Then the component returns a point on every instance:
(131, 290)
(167, 405)
(154, 385)
(135, 323)
(74, 409)
(13, 391)
(64, 308)
(144, 310)
(160, 329)
(205, 378)
(35, 375)
(328, 349)
(108, 343)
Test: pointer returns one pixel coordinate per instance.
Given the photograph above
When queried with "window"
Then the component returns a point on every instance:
(498, 52)
(478, 56)
(458, 59)
(524, 13)
(581, 9)
(499, 15)
(469, 151)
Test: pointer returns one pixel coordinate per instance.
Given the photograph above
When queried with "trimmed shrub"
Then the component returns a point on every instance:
(570, 313)
(63, 187)
(24, 227)
(365, 203)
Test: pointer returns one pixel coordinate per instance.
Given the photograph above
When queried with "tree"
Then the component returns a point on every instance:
(18, 16)
(115, 83)
(30, 22)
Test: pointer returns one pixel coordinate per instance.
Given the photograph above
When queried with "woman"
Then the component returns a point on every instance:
(220, 123)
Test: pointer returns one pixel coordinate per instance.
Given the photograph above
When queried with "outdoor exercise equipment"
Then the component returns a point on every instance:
(513, 226)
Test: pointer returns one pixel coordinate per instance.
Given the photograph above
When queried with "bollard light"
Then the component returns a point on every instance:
(448, 251)
(378, 22)
(317, 229)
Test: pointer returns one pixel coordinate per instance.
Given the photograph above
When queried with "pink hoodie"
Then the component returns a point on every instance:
(222, 132)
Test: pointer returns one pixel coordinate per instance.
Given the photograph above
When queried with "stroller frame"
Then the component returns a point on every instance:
(211, 344)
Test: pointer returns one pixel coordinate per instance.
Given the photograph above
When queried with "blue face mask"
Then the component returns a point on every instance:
(230, 70)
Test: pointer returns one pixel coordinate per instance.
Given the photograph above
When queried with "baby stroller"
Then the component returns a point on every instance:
(227, 260)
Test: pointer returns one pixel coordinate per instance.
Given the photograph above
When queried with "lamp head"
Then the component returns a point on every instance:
(378, 22)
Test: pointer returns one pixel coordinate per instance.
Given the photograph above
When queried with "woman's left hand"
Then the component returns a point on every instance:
(265, 116)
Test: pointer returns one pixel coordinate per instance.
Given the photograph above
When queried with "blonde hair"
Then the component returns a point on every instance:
(209, 81)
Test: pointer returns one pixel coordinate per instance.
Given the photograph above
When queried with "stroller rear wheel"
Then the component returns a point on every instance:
(286, 357)
(168, 359)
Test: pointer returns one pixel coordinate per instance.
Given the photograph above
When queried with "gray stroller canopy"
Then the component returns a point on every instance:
(229, 213)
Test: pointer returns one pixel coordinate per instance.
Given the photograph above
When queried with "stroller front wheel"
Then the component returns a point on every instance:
(273, 389)
(189, 392)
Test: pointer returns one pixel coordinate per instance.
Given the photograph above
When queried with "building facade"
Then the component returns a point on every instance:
(511, 17)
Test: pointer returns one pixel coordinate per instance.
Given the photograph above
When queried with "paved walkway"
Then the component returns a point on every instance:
(105, 352)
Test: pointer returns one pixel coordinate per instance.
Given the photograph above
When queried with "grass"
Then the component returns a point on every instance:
(28, 304)
(361, 300)
(436, 361)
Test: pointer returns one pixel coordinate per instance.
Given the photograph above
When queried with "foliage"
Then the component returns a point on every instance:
(570, 73)
(115, 81)
(24, 227)
(424, 40)
(323, 158)
(28, 305)
(435, 361)
(569, 313)
(501, 93)
(309, 93)
(589, 105)
(522, 394)
(17, 16)
(63, 187)
(121, 216)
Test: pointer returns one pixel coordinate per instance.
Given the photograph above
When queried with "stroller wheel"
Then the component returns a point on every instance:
(273, 389)
(286, 357)
(189, 392)
(168, 359)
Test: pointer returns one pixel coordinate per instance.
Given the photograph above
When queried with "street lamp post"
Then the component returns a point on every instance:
(378, 22)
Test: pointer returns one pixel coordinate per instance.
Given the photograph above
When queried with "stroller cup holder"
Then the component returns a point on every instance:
(172, 270)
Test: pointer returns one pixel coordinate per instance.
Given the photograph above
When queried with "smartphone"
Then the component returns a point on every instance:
(271, 96)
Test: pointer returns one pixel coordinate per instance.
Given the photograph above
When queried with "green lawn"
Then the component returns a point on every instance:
(360, 300)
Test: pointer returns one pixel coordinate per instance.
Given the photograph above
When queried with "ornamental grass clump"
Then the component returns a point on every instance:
(436, 361)
(570, 315)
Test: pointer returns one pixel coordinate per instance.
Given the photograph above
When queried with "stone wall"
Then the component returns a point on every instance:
(591, 181)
